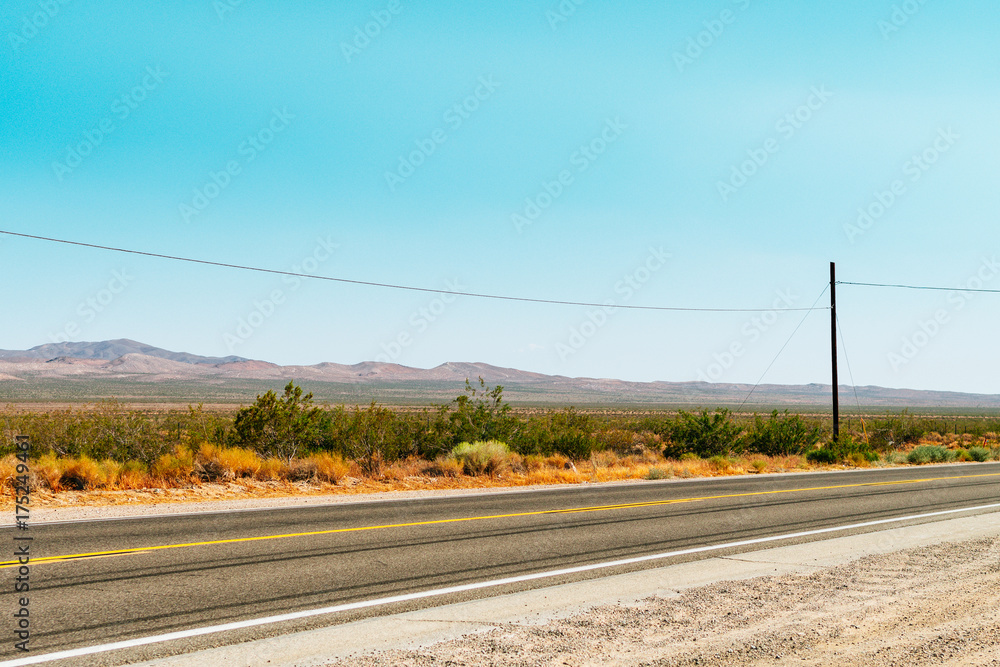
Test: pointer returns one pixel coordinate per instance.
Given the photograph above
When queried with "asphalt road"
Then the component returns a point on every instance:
(172, 573)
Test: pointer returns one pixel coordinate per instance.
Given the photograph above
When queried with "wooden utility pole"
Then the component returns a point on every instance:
(833, 350)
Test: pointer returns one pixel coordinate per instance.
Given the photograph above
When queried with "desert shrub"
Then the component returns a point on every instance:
(370, 440)
(565, 432)
(845, 449)
(478, 458)
(979, 454)
(481, 415)
(704, 434)
(617, 439)
(780, 435)
(758, 465)
(930, 454)
(895, 431)
(822, 455)
(657, 473)
(278, 427)
(894, 458)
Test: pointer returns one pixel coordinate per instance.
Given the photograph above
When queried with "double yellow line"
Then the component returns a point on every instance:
(571, 510)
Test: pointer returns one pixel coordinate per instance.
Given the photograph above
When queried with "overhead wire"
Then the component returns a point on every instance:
(794, 331)
(921, 287)
(394, 286)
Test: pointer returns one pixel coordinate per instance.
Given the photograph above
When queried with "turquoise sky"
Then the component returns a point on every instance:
(715, 154)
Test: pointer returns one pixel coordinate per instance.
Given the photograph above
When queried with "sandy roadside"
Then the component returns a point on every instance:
(926, 606)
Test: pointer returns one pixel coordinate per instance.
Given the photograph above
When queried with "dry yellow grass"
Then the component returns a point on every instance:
(330, 467)
(174, 469)
(227, 463)
(8, 472)
(176, 476)
(273, 470)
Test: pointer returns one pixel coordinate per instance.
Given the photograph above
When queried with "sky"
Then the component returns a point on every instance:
(663, 154)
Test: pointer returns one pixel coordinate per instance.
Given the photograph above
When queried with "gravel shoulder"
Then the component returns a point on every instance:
(925, 606)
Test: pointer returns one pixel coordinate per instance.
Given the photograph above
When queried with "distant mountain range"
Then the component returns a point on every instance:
(110, 349)
(130, 370)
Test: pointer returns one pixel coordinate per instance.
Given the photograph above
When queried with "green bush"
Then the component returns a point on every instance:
(930, 454)
(370, 438)
(657, 473)
(565, 432)
(704, 434)
(844, 449)
(780, 435)
(279, 427)
(481, 414)
(979, 454)
(895, 431)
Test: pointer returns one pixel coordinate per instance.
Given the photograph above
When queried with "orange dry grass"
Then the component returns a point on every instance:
(172, 477)
(8, 472)
(272, 469)
(228, 463)
(330, 467)
(174, 469)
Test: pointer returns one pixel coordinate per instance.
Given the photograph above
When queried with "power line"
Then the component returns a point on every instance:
(801, 322)
(921, 287)
(392, 286)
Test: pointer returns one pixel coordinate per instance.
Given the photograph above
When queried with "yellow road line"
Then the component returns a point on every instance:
(571, 510)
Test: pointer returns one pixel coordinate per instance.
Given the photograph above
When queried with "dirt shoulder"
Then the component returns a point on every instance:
(924, 606)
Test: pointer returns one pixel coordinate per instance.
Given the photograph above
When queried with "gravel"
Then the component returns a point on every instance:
(935, 605)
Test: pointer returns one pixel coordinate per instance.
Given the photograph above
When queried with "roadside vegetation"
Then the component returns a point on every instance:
(285, 440)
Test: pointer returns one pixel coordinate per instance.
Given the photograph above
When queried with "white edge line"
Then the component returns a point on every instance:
(240, 625)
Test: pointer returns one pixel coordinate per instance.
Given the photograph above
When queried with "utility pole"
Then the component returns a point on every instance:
(833, 350)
